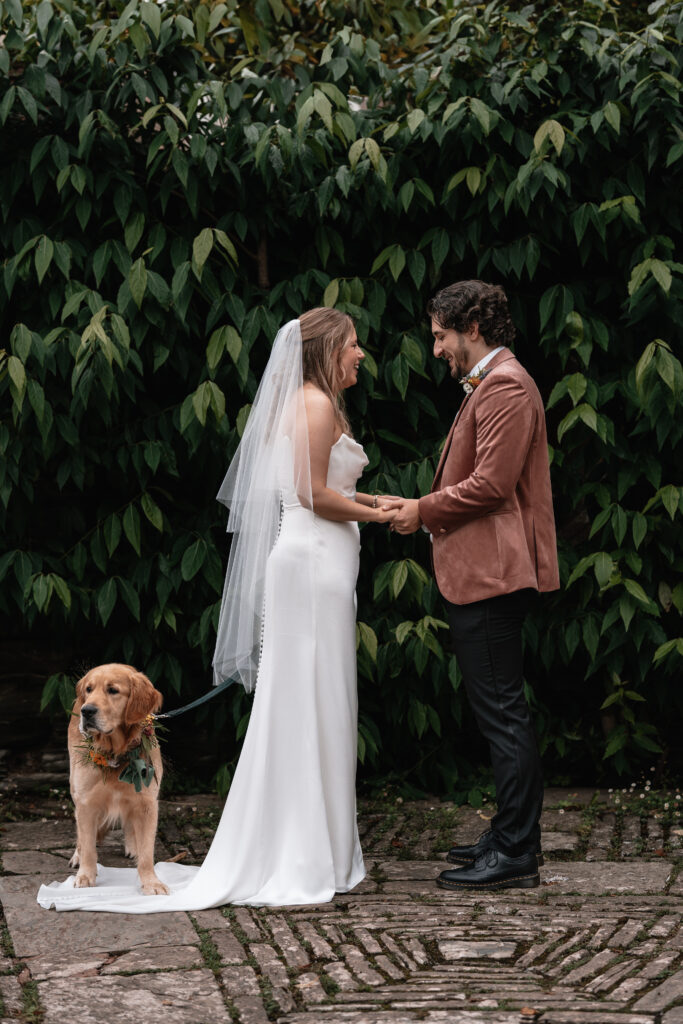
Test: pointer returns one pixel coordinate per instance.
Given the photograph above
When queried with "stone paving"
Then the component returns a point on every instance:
(600, 942)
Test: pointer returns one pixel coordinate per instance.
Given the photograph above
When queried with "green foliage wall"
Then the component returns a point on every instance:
(177, 180)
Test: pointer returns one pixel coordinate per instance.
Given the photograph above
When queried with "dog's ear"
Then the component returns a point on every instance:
(80, 687)
(143, 699)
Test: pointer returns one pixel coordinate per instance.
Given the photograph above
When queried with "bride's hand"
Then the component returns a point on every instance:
(387, 515)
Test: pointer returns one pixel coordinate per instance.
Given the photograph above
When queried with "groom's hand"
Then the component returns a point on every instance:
(408, 517)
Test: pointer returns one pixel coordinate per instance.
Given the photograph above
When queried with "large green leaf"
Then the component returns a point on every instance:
(193, 559)
(137, 281)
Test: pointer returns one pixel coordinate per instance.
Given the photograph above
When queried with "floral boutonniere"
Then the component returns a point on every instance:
(473, 381)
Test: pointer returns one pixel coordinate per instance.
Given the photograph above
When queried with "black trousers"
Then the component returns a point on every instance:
(487, 642)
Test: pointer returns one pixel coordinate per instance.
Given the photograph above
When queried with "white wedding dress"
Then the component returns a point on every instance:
(288, 832)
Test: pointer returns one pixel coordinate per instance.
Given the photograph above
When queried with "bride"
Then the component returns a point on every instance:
(288, 832)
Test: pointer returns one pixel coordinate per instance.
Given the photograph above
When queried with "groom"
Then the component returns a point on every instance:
(490, 515)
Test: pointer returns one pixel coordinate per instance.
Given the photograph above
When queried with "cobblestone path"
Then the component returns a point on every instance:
(600, 942)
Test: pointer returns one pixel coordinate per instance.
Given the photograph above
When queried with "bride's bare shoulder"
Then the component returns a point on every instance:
(316, 401)
(320, 415)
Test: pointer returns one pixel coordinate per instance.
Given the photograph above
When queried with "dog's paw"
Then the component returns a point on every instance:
(84, 881)
(75, 860)
(155, 888)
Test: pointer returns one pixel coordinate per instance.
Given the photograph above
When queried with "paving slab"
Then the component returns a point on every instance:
(38, 835)
(559, 842)
(607, 876)
(155, 958)
(65, 965)
(476, 950)
(38, 932)
(32, 862)
(11, 994)
(211, 919)
(417, 886)
(172, 997)
(366, 887)
(677, 885)
(669, 991)
(595, 1017)
(560, 821)
(407, 870)
(228, 946)
(441, 1016)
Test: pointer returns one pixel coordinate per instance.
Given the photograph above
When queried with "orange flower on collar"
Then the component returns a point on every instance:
(471, 382)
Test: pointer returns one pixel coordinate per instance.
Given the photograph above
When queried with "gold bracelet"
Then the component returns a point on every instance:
(374, 501)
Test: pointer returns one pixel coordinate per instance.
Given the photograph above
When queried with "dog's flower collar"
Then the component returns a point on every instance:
(135, 764)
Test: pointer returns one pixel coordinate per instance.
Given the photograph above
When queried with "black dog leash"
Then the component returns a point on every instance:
(200, 700)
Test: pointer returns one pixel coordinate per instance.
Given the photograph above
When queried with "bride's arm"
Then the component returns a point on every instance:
(326, 502)
(375, 499)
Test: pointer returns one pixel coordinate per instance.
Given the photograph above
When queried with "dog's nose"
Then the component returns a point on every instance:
(89, 710)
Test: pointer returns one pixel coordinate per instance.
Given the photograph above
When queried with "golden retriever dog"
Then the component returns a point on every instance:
(111, 735)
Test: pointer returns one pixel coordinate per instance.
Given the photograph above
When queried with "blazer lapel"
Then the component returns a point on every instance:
(447, 445)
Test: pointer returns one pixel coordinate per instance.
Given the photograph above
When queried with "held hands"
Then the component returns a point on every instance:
(385, 513)
(406, 514)
(386, 516)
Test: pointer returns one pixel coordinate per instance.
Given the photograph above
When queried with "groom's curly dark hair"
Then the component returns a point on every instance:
(460, 305)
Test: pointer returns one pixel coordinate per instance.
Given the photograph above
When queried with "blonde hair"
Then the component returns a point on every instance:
(324, 335)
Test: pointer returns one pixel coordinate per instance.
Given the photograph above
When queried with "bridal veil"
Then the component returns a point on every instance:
(271, 466)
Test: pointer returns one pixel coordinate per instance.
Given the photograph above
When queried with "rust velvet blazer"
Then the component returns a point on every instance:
(490, 511)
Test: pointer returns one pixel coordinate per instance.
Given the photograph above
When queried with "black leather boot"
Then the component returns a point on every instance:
(468, 854)
(493, 870)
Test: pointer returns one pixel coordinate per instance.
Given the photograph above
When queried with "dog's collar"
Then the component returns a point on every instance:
(135, 763)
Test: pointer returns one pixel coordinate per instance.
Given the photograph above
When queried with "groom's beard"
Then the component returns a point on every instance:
(460, 365)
